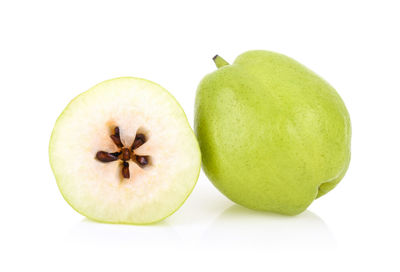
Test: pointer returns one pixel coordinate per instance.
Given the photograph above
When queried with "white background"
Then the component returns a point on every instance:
(50, 51)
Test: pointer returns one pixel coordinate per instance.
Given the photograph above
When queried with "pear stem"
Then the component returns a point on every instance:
(220, 62)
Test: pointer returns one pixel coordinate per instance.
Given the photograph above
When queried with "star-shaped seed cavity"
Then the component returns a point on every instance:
(124, 154)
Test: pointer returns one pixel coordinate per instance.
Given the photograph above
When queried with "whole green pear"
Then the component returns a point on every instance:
(274, 136)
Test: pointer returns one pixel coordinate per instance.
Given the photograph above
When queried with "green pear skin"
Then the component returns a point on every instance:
(273, 135)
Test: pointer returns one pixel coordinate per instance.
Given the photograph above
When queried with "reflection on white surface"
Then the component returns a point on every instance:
(234, 227)
(94, 233)
(238, 226)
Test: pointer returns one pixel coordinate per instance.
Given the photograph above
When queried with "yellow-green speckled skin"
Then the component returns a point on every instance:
(273, 135)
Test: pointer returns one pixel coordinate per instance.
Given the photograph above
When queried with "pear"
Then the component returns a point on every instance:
(124, 152)
(274, 136)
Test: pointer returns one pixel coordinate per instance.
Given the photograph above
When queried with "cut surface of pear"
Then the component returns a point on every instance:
(158, 172)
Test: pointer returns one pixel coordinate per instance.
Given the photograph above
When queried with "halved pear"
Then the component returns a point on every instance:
(124, 152)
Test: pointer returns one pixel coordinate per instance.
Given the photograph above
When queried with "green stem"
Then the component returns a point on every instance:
(220, 62)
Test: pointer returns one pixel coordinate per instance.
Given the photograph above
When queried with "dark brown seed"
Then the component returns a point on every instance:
(140, 136)
(117, 140)
(116, 154)
(139, 140)
(106, 157)
(125, 170)
(126, 154)
(142, 160)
